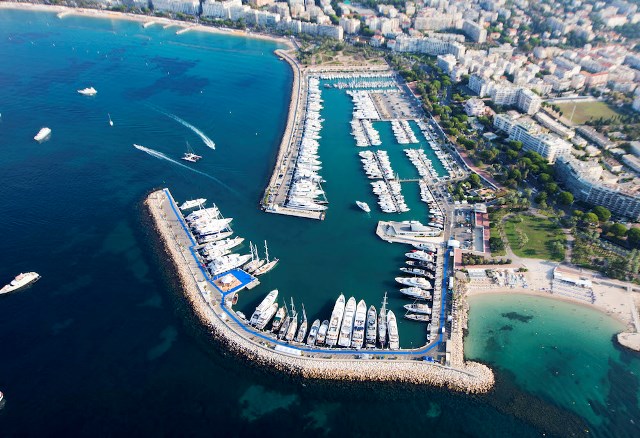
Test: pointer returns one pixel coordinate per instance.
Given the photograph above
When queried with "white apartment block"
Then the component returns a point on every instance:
(350, 25)
(475, 31)
(474, 107)
(549, 146)
(446, 62)
(528, 102)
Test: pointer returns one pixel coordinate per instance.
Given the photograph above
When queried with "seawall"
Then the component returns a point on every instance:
(467, 377)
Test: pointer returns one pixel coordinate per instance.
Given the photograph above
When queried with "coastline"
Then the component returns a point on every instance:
(106, 14)
(618, 316)
(470, 377)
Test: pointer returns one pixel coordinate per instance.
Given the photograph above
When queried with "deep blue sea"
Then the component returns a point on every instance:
(104, 344)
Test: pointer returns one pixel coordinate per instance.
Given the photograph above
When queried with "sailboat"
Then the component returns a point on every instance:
(255, 262)
(382, 322)
(302, 331)
(110, 121)
(269, 265)
(293, 324)
(190, 156)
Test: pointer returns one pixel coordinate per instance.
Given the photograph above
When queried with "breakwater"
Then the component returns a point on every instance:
(209, 305)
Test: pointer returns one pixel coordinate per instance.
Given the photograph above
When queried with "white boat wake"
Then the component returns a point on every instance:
(206, 140)
(162, 156)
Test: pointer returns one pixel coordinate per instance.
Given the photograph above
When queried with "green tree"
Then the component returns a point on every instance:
(590, 219)
(565, 198)
(474, 180)
(618, 230)
(633, 236)
(602, 213)
(551, 188)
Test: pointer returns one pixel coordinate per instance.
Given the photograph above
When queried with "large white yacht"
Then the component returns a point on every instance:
(90, 91)
(228, 262)
(336, 319)
(347, 323)
(263, 306)
(20, 281)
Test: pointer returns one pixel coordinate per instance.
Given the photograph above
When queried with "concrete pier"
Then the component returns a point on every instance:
(208, 302)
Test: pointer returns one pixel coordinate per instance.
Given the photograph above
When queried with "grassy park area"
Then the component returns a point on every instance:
(587, 110)
(535, 237)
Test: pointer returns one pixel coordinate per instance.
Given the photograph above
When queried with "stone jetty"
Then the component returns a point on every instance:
(208, 305)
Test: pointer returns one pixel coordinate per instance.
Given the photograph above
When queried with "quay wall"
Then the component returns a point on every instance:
(467, 377)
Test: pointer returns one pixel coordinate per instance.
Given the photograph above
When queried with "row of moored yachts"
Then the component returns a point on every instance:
(444, 157)
(363, 106)
(422, 163)
(305, 186)
(351, 325)
(213, 232)
(435, 212)
(390, 197)
(355, 83)
(364, 133)
(403, 132)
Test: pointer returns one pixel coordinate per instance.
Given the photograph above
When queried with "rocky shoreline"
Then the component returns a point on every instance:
(469, 377)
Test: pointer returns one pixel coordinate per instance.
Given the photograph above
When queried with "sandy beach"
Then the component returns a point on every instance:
(616, 299)
(105, 14)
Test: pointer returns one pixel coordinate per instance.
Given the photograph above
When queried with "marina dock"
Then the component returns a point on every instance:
(210, 302)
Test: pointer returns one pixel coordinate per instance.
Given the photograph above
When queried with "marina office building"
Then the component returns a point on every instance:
(583, 180)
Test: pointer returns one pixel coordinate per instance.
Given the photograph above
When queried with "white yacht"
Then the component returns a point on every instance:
(392, 326)
(223, 244)
(313, 333)
(266, 316)
(191, 157)
(414, 282)
(263, 306)
(228, 262)
(322, 332)
(416, 293)
(420, 255)
(347, 323)
(90, 91)
(43, 134)
(372, 327)
(382, 322)
(193, 203)
(418, 308)
(336, 320)
(21, 280)
(357, 338)
(364, 206)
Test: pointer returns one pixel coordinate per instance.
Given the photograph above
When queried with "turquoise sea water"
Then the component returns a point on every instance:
(104, 344)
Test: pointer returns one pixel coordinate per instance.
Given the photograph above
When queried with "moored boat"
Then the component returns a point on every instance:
(418, 308)
(382, 322)
(415, 282)
(268, 265)
(417, 317)
(392, 327)
(193, 203)
(263, 306)
(420, 255)
(335, 322)
(279, 319)
(322, 332)
(313, 333)
(302, 330)
(346, 329)
(416, 293)
(372, 327)
(266, 316)
(357, 338)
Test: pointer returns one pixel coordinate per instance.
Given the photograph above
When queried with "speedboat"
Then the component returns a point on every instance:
(364, 206)
(21, 280)
(90, 91)
(43, 134)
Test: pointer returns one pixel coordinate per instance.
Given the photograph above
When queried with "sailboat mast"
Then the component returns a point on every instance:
(266, 251)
